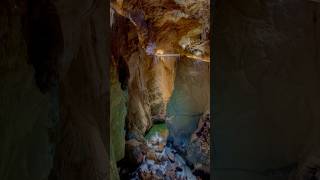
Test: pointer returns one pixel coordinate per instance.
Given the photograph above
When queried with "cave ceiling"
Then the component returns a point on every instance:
(169, 26)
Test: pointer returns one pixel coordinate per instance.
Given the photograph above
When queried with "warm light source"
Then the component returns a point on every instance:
(159, 52)
(205, 59)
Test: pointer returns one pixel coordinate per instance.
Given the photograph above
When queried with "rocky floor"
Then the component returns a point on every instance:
(160, 163)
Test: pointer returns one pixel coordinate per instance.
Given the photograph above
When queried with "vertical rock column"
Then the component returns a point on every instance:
(26, 113)
(118, 112)
(190, 99)
(81, 151)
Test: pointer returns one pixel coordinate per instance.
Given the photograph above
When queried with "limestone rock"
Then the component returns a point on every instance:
(135, 152)
(118, 112)
(141, 29)
(190, 98)
(166, 23)
(198, 151)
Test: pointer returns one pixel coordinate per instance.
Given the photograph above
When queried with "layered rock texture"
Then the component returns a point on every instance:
(118, 112)
(198, 151)
(267, 88)
(190, 99)
(172, 26)
(55, 121)
(163, 53)
(150, 27)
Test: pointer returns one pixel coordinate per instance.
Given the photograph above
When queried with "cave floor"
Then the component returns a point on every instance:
(162, 162)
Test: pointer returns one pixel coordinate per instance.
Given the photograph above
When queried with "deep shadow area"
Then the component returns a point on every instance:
(54, 90)
(267, 90)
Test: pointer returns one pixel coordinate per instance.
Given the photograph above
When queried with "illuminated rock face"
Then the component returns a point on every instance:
(150, 87)
(64, 43)
(165, 45)
(190, 99)
(158, 27)
(172, 26)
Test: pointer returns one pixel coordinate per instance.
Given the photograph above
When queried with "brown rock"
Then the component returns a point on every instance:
(198, 151)
(152, 156)
(140, 28)
(135, 151)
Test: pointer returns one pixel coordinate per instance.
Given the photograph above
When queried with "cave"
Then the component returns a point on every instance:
(75, 105)
(160, 89)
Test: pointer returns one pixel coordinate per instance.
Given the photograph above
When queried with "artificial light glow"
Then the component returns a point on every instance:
(205, 59)
(159, 51)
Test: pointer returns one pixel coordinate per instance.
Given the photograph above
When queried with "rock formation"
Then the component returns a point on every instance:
(54, 90)
(198, 151)
(165, 46)
(190, 99)
(55, 81)
(26, 114)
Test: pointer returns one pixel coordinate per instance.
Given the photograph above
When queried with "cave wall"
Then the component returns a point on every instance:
(150, 87)
(172, 26)
(118, 112)
(177, 86)
(27, 115)
(162, 84)
(198, 150)
(139, 110)
(59, 51)
(189, 100)
(81, 151)
(144, 29)
(267, 83)
(149, 81)
(54, 90)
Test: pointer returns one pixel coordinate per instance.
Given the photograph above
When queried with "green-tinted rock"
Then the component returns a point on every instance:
(118, 112)
(157, 128)
(118, 99)
(190, 98)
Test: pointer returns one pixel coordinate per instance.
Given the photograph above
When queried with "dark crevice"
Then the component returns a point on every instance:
(44, 39)
(124, 74)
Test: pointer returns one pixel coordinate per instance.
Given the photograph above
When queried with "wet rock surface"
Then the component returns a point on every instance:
(135, 151)
(160, 162)
(156, 158)
(141, 30)
(190, 99)
(198, 151)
